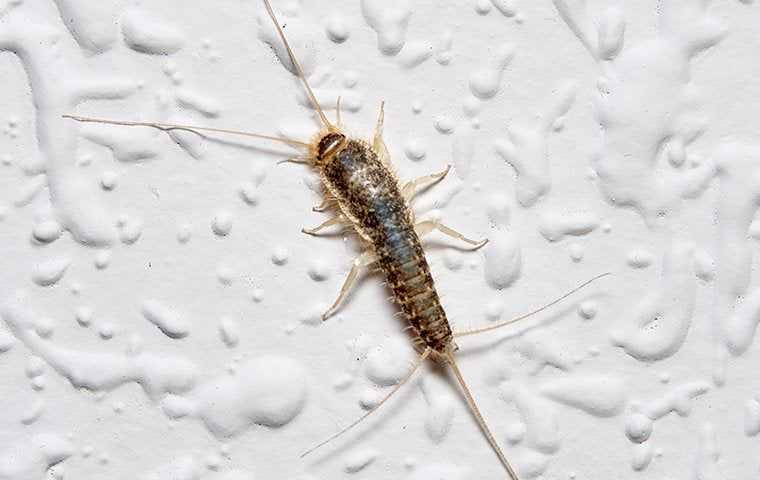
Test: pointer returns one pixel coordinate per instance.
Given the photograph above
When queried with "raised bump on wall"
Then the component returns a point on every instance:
(737, 205)
(662, 318)
(628, 169)
(525, 147)
(390, 20)
(503, 257)
(174, 381)
(92, 24)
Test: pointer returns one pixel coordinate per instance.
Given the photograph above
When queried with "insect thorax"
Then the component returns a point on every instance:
(368, 193)
(361, 184)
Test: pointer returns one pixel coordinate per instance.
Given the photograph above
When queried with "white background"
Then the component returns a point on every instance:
(642, 148)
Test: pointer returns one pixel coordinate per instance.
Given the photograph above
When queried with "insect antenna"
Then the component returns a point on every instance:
(479, 417)
(170, 127)
(299, 70)
(425, 354)
(474, 331)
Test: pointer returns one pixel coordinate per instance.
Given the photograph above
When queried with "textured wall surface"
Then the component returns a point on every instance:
(159, 306)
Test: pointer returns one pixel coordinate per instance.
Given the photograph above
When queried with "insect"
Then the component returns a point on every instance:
(363, 192)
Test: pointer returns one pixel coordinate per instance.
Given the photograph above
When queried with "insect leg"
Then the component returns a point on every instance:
(296, 160)
(323, 225)
(379, 126)
(428, 226)
(504, 323)
(326, 203)
(377, 140)
(410, 189)
(395, 389)
(365, 259)
(337, 113)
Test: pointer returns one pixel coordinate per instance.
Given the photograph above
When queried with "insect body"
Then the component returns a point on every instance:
(369, 196)
(360, 183)
(358, 178)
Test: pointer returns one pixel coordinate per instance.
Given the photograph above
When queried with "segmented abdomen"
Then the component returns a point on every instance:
(368, 194)
(402, 259)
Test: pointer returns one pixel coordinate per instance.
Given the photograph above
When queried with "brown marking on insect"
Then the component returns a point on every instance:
(361, 186)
